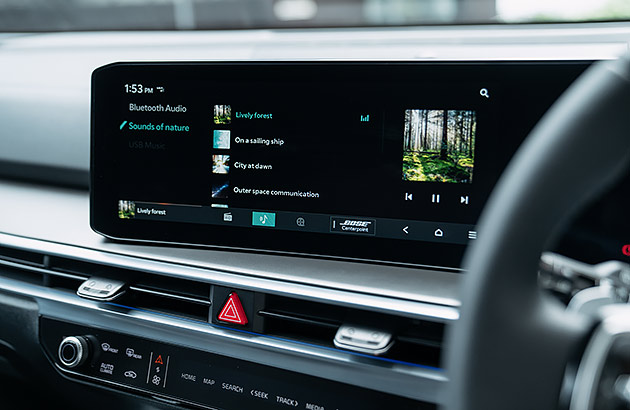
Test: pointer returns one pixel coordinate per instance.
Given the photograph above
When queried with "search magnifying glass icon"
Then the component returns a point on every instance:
(484, 93)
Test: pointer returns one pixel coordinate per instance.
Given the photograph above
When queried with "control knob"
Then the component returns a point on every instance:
(73, 350)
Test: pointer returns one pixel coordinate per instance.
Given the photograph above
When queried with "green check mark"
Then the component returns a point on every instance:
(123, 124)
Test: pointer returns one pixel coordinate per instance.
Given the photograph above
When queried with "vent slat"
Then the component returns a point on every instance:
(419, 341)
(170, 295)
(88, 269)
(21, 256)
(298, 319)
(8, 270)
(174, 286)
(166, 304)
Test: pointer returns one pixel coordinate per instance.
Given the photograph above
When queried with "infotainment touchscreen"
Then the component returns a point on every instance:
(389, 162)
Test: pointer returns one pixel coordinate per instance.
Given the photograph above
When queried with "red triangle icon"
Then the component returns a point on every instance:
(159, 360)
(233, 311)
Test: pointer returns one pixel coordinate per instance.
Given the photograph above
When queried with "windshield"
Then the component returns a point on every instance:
(93, 15)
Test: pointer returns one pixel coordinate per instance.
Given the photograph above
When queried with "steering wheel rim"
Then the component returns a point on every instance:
(512, 344)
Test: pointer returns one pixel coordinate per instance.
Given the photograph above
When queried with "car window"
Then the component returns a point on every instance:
(89, 15)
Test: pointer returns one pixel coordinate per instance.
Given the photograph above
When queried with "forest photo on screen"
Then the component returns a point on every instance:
(439, 145)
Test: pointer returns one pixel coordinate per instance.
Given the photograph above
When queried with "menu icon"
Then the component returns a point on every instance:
(264, 219)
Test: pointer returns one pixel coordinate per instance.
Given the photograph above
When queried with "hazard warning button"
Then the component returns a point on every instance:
(233, 311)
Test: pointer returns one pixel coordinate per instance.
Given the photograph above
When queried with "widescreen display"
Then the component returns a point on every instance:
(387, 162)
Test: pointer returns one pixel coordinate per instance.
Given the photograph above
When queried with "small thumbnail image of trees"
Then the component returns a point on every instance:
(439, 145)
(222, 114)
(126, 209)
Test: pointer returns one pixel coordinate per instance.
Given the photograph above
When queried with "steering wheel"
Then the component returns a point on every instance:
(515, 347)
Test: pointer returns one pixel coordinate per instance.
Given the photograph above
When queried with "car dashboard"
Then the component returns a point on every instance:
(306, 330)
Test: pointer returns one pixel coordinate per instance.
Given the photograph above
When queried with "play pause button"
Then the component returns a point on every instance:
(463, 199)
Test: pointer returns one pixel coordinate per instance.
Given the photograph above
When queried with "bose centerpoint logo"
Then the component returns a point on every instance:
(347, 225)
(350, 222)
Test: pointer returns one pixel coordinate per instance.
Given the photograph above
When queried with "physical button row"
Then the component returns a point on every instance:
(129, 352)
(255, 393)
(107, 368)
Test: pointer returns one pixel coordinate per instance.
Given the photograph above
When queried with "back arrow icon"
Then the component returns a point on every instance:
(406, 230)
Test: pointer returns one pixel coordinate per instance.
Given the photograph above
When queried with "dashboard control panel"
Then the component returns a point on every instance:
(198, 378)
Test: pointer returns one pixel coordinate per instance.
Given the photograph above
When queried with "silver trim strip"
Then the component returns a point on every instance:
(281, 253)
(168, 359)
(149, 369)
(408, 308)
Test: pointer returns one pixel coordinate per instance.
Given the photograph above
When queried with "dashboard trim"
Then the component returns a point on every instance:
(334, 365)
(425, 310)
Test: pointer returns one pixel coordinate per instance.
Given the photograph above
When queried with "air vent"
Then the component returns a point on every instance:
(81, 269)
(170, 296)
(34, 268)
(22, 272)
(302, 320)
(147, 291)
(21, 257)
(419, 342)
(58, 280)
(416, 341)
